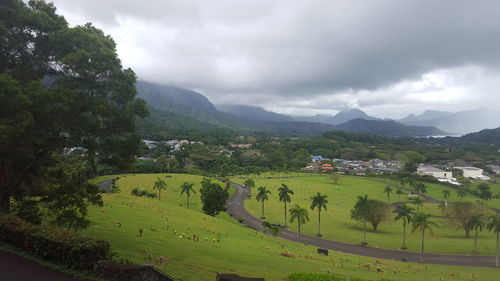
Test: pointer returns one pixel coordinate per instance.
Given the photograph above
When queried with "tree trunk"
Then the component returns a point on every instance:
(467, 231)
(404, 234)
(159, 194)
(187, 201)
(285, 213)
(298, 230)
(262, 209)
(364, 231)
(498, 251)
(319, 221)
(475, 242)
(5, 202)
(422, 246)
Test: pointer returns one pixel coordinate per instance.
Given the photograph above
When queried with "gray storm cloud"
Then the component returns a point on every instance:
(292, 51)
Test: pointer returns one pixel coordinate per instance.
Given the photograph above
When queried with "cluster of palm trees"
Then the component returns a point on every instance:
(186, 188)
(297, 213)
(422, 222)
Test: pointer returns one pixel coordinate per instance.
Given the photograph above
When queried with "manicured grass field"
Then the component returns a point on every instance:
(240, 250)
(336, 223)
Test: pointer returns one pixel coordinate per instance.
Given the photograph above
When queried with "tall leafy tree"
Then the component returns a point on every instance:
(494, 226)
(60, 88)
(476, 223)
(213, 197)
(403, 213)
(187, 188)
(160, 185)
(422, 222)
(319, 201)
(284, 196)
(262, 196)
(388, 192)
(362, 211)
(300, 214)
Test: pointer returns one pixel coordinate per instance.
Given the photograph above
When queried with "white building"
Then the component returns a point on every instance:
(433, 171)
(472, 172)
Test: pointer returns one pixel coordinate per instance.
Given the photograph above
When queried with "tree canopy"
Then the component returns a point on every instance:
(61, 88)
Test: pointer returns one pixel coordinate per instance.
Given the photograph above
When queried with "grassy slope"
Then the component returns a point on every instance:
(241, 250)
(337, 224)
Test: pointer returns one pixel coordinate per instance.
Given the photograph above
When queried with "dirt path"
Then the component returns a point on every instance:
(15, 268)
(237, 210)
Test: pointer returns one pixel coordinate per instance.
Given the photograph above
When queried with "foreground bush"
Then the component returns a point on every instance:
(53, 244)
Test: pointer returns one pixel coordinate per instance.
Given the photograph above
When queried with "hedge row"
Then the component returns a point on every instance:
(53, 244)
(321, 277)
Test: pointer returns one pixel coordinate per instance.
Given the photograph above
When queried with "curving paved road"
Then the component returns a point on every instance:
(236, 209)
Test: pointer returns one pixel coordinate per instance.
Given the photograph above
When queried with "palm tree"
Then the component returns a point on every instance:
(300, 214)
(422, 223)
(476, 222)
(187, 188)
(494, 225)
(446, 194)
(442, 205)
(160, 185)
(388, 191)
(284, 196)
(461, 192)
(319, 201)
(403, 213)
(262, 196)
(418, 201)
(420, 188)
(399, 192)
(249, 183)
(363, 204)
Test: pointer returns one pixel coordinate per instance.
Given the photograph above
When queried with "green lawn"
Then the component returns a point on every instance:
(240, 250)
(337, 224)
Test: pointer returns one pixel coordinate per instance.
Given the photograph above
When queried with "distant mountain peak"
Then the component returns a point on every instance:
(251, 112)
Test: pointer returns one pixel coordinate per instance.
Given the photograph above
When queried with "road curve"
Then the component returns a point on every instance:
(236, 209)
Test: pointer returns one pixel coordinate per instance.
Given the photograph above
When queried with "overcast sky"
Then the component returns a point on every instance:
(387, 57)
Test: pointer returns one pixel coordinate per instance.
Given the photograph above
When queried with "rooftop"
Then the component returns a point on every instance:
(430, 169)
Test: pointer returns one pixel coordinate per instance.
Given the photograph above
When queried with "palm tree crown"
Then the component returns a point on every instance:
(262, 197)
(187, 188)
(284, 196)
(446, 194)
(160, 185)
(249, 183)
(388, 191)
(284, 193)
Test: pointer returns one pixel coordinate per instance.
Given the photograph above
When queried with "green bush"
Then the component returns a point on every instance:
(140, 192)
(53, 244)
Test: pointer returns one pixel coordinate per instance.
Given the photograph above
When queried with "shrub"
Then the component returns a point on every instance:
(53, 244)
(140, 192)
